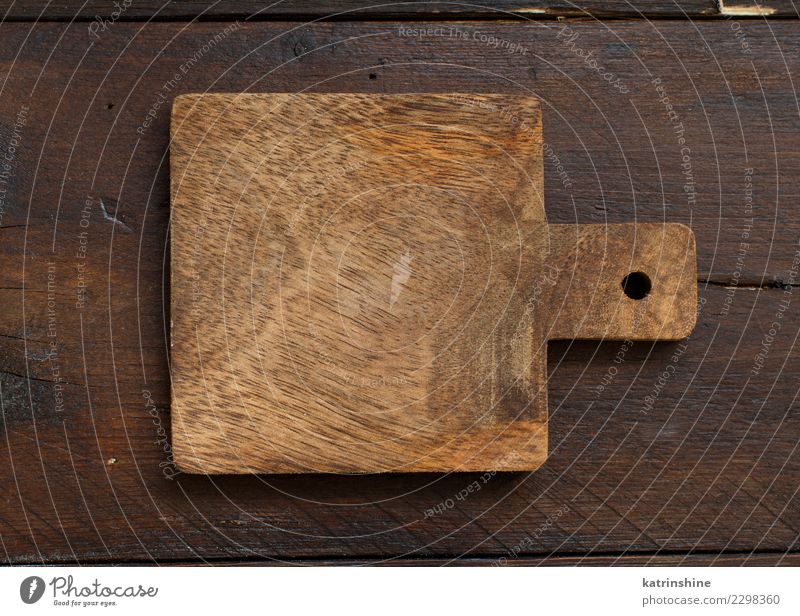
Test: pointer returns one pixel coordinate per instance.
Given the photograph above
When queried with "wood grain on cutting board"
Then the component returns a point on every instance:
(366, 283)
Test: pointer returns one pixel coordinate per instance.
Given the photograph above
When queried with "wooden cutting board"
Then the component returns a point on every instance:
(367, 283)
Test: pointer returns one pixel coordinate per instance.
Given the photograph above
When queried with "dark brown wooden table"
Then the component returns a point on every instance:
(660, 453)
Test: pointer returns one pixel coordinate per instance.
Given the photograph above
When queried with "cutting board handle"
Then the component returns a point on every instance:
(622, 281)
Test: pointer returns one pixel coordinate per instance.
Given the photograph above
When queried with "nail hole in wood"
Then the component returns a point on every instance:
(637, 285)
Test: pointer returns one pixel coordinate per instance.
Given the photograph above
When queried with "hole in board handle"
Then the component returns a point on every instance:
(637, 285)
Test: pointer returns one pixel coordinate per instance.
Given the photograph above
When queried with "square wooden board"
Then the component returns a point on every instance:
(367, 283)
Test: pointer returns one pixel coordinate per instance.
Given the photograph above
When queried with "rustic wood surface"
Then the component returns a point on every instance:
(684, 560)
(365, 283)
(350, 9)
(655, 448)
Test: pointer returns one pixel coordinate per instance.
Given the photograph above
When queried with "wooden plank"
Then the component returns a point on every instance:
(646, 457)
(678, 560)
(354, 283)
(637, 174)
(754, 559)
(106, 12)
